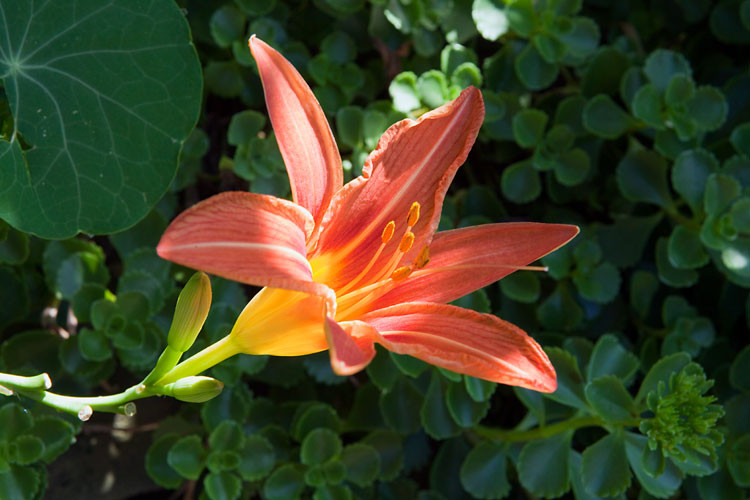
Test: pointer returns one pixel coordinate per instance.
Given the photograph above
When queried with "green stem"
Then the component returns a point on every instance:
(202, 361)
(511, 436)
(83, 406)
(18, 383)
(168, 360)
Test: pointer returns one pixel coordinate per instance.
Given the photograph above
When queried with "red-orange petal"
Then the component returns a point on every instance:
(415, 161)
(307, 145)
(464, 260)
(465, 341)
(350, 345)
(251, 238)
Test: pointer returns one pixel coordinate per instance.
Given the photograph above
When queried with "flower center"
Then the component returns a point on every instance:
(362, 290)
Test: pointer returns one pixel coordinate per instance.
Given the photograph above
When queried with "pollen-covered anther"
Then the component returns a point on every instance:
(406, 242)
(401, 273)
(413, 216)
(388, 232)
(423, 258)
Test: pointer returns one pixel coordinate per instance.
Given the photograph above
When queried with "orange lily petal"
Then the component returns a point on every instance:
(465, 341)
(464, 260)
(415, 161)
(246, 237)
(281, 323)
(302, 131)
(350, 345)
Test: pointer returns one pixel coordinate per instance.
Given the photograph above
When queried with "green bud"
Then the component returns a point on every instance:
(194, 389)
(190, 313)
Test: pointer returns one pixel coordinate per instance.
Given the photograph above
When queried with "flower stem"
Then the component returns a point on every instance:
(202, 361)
(18, 383)
(511, 436)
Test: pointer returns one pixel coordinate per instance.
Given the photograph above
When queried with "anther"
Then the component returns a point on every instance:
(423, 258)
(406, 242)
(401, 273)
(413, 216)
(388, 232)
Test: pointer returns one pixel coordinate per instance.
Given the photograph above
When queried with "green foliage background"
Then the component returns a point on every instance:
(629, 119)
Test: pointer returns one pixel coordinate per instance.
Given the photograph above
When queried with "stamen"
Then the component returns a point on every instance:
(385, 238)
(401, 273)
(388, 232)
(423, 258)
(406, 242)
(413, 217)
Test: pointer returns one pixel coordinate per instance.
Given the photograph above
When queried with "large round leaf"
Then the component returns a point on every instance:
(103, 93)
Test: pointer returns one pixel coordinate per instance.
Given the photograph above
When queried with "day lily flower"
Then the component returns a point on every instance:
(347, 266)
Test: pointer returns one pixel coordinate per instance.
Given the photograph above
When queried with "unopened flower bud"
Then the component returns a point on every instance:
(194, 389)
(190, 313)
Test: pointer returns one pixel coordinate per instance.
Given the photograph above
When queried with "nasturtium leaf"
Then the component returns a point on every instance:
(528, 127)
(403, 90)
(14, 245)
(690, 174)
(609, 398)
(662, 65)
(436, 419)
(662, 486)
(222, 486)
(186, 456)
(708, 108)
(158, 467)
(648, 106)
(533, 71)
(604, 467)
(603, 117)
(668, 273)
(244, 126)
(569, 379)
(685, 250)
(465, 411)
(543, 465)
(454, 55)
(483, 473)
(522, 17)
(285, 482)
(362, 463)
(490, 18)
(609, 357)
(520, 182)
(105, 115)
(642, 176)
